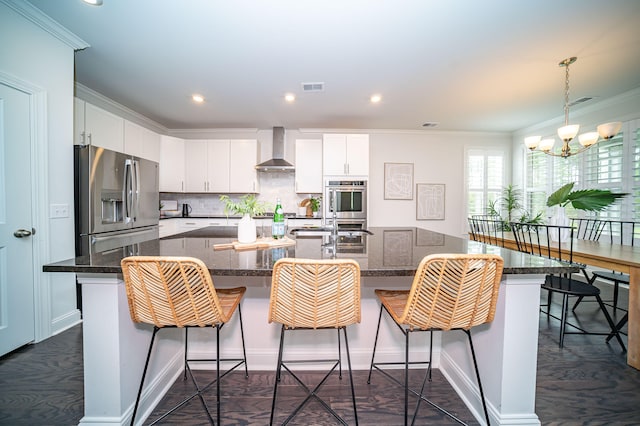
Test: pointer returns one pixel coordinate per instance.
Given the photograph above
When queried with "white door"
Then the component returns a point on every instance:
(17, 323)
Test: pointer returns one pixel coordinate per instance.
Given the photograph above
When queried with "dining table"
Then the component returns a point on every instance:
(602, 254)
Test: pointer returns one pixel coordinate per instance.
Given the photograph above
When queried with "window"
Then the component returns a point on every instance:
(485, 178)
(612, 164)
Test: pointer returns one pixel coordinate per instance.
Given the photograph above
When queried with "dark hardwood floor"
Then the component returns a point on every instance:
(587, 382)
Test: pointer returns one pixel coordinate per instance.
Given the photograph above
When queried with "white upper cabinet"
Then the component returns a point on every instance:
(218, 165)
(171, 164)
(196, 166)
(141, 142)
(221, 165)
(345, 154)
(95, 126)
(243, 157)
(308, 166)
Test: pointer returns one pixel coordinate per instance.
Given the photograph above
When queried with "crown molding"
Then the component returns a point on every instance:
(99, 100)
(36, 16)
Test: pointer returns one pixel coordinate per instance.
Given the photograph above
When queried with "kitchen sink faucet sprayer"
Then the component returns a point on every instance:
(334, 207)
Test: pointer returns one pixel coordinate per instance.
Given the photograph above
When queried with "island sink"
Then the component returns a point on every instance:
(327, 230)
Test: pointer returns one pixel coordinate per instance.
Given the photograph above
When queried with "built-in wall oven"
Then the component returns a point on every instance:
(346, 201)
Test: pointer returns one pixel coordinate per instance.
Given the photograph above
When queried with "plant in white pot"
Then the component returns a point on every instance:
(582, 199)
(314, 203)
(247, 206)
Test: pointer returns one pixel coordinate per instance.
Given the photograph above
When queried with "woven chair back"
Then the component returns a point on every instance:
(309, 293)
(171, 291)
(453, 291)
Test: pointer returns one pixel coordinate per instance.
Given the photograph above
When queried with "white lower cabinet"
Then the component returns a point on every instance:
(304, 222)
(183, 224)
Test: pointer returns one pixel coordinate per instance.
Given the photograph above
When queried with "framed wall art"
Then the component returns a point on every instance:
(430, 201)
(398, 181)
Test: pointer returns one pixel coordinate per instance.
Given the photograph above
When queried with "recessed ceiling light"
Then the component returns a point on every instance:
(197, 98)
(93, 2)
(375, 99)
(289, 97)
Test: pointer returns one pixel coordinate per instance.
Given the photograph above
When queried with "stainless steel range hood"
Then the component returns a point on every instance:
(277, 163)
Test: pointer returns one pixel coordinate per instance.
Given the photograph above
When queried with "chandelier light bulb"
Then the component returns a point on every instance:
(588, 139)
(532, 142)
(546, 145)
(567, 133)
(609, 130)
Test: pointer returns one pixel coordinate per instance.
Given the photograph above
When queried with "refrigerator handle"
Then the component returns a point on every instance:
(136, 189)
(128, 190)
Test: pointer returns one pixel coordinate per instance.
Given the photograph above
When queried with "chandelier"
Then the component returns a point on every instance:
(569, 131)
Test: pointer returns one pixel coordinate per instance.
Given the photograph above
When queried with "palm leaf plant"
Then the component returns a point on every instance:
(510, 203)
(583, 199)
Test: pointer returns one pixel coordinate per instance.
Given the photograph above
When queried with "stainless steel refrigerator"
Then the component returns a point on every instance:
(116, 200)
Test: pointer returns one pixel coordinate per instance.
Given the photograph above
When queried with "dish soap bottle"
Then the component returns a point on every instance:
(277, 228)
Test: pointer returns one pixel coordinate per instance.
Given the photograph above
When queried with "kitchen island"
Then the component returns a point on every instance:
(115, 347)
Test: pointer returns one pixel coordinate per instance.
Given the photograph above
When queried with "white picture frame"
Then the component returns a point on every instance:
(430, 198)
(398, 181)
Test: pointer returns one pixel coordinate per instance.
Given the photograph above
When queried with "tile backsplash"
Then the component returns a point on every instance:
(273, 185)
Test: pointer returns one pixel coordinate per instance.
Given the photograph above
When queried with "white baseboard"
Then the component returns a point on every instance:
(65, 322)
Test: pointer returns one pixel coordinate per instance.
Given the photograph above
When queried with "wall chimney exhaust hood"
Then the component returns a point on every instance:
(277, 162)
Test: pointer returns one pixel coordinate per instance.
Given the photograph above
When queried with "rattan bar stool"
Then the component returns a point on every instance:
(309, 295)
(178, 292)
(449, 292)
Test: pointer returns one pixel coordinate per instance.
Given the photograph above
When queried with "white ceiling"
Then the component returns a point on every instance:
(476, 65)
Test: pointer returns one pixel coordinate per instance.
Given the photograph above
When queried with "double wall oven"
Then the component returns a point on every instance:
(346, 202)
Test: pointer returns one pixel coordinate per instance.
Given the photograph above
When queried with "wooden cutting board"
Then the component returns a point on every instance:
(260, 243)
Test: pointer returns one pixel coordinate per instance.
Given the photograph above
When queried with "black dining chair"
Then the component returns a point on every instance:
(546, 241)
(616, 232)
(487, 229)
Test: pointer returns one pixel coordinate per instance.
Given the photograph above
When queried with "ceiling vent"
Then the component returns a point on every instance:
(580, 100)
(312, 87)
(430, 124)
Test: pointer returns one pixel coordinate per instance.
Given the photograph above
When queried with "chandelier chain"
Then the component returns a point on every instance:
(566, 95)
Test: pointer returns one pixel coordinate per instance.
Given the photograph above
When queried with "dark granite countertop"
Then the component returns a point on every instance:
(388, 252)
(223, 216)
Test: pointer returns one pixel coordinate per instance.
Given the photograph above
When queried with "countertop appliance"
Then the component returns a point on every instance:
(346, 200)
(186, 210)
(116, 200)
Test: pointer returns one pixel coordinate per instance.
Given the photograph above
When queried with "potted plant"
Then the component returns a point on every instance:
(582, 199)
(247, 206)
(314, 202)
(510, 203)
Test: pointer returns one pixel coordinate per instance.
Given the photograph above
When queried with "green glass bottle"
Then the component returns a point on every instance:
(277, 228)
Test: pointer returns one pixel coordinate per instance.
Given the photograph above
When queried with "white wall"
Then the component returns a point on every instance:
(34, 55)
(438, 157)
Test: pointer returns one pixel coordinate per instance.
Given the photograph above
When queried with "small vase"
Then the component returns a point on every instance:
(560, 218)
(247, 230)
